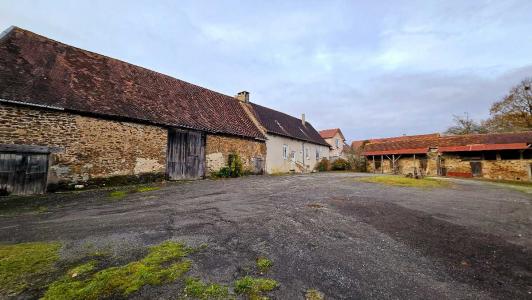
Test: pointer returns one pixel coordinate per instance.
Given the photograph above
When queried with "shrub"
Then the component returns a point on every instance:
(323, 165)
(234, 168)
(341, 164)
(224, 172)
(235, 165)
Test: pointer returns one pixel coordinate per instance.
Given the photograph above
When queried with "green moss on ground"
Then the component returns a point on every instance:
(197, 289)
(21, 265)
(164, 263)
(264, 264)
(254, 288)
(143, 189)
(117, 195)
(313, 294)
(406, 182)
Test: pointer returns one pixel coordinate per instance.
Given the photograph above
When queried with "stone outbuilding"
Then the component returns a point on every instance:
(70, 116)
(502, 156)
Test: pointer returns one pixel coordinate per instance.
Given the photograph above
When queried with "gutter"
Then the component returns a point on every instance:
(121, 118)
(31, 104)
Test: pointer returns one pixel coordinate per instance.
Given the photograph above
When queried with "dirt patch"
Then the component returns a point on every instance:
(482, 260)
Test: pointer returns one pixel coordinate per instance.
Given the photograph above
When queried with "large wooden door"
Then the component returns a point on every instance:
(23, 173)
(185, 155)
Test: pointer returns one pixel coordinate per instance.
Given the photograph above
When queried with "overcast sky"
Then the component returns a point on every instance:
(372, 68)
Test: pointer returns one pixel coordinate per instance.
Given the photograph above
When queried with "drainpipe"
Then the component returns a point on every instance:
(303, 157)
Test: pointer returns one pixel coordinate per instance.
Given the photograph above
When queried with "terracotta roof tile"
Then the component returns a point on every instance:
(329, 133)
(422, 143)
(38, 70)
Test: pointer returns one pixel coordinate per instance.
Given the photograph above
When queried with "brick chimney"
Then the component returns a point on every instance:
(303, 120)
(243, 96)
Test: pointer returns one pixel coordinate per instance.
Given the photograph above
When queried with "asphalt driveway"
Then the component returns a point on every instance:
(329, 232)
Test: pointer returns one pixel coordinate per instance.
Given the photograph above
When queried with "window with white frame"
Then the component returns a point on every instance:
(285, 151)
(317, 153)
(337, 141)
(307, 153)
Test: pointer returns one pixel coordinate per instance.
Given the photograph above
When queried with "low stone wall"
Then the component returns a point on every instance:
(219, 147)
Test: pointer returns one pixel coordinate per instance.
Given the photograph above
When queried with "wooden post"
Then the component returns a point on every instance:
(373, 156)
(414, 165)
(382, 164)
(393, 163)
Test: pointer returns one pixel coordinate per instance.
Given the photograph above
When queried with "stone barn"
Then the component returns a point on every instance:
(70, 116)
(503, 156)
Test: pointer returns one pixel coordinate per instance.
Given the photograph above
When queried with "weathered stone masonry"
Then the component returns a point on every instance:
(99, 148)
(91, 147)
(219, 147)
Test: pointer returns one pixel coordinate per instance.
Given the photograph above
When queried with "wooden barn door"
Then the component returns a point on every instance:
(23, 173)
(185, 154)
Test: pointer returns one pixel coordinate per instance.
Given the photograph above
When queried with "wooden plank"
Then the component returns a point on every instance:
(23, 173)
(185, 154)
(15, 148)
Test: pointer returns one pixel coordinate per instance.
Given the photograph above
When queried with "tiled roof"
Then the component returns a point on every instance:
(38, 70)
(329, 133)
(276, 122)
(421, 143)
(403, 144)
(492, 138)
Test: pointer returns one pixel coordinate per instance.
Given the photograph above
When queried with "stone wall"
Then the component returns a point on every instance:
(91, 147)
(514, 169)
(405, 164)
(219, 147)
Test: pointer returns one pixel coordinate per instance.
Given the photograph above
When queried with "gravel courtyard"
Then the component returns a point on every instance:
(330, 232)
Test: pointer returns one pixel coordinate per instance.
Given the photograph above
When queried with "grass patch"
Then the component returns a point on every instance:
(117, 195)
(264, 264)
(164, 263)
(522, 186)
(195, 288)
(143, 189)
(42, 209)
(83, 269)
(313, 294)
(405, 181)
(254, 288)
(22, 264)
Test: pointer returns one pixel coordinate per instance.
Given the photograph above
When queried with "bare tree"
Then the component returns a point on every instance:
(514, 111)
(465, 125)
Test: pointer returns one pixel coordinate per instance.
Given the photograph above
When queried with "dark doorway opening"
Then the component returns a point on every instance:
(476, 168)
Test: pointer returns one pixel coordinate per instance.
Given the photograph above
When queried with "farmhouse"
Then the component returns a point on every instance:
(70, 116)
(336, 140)
(506, 156)
(292, 144)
